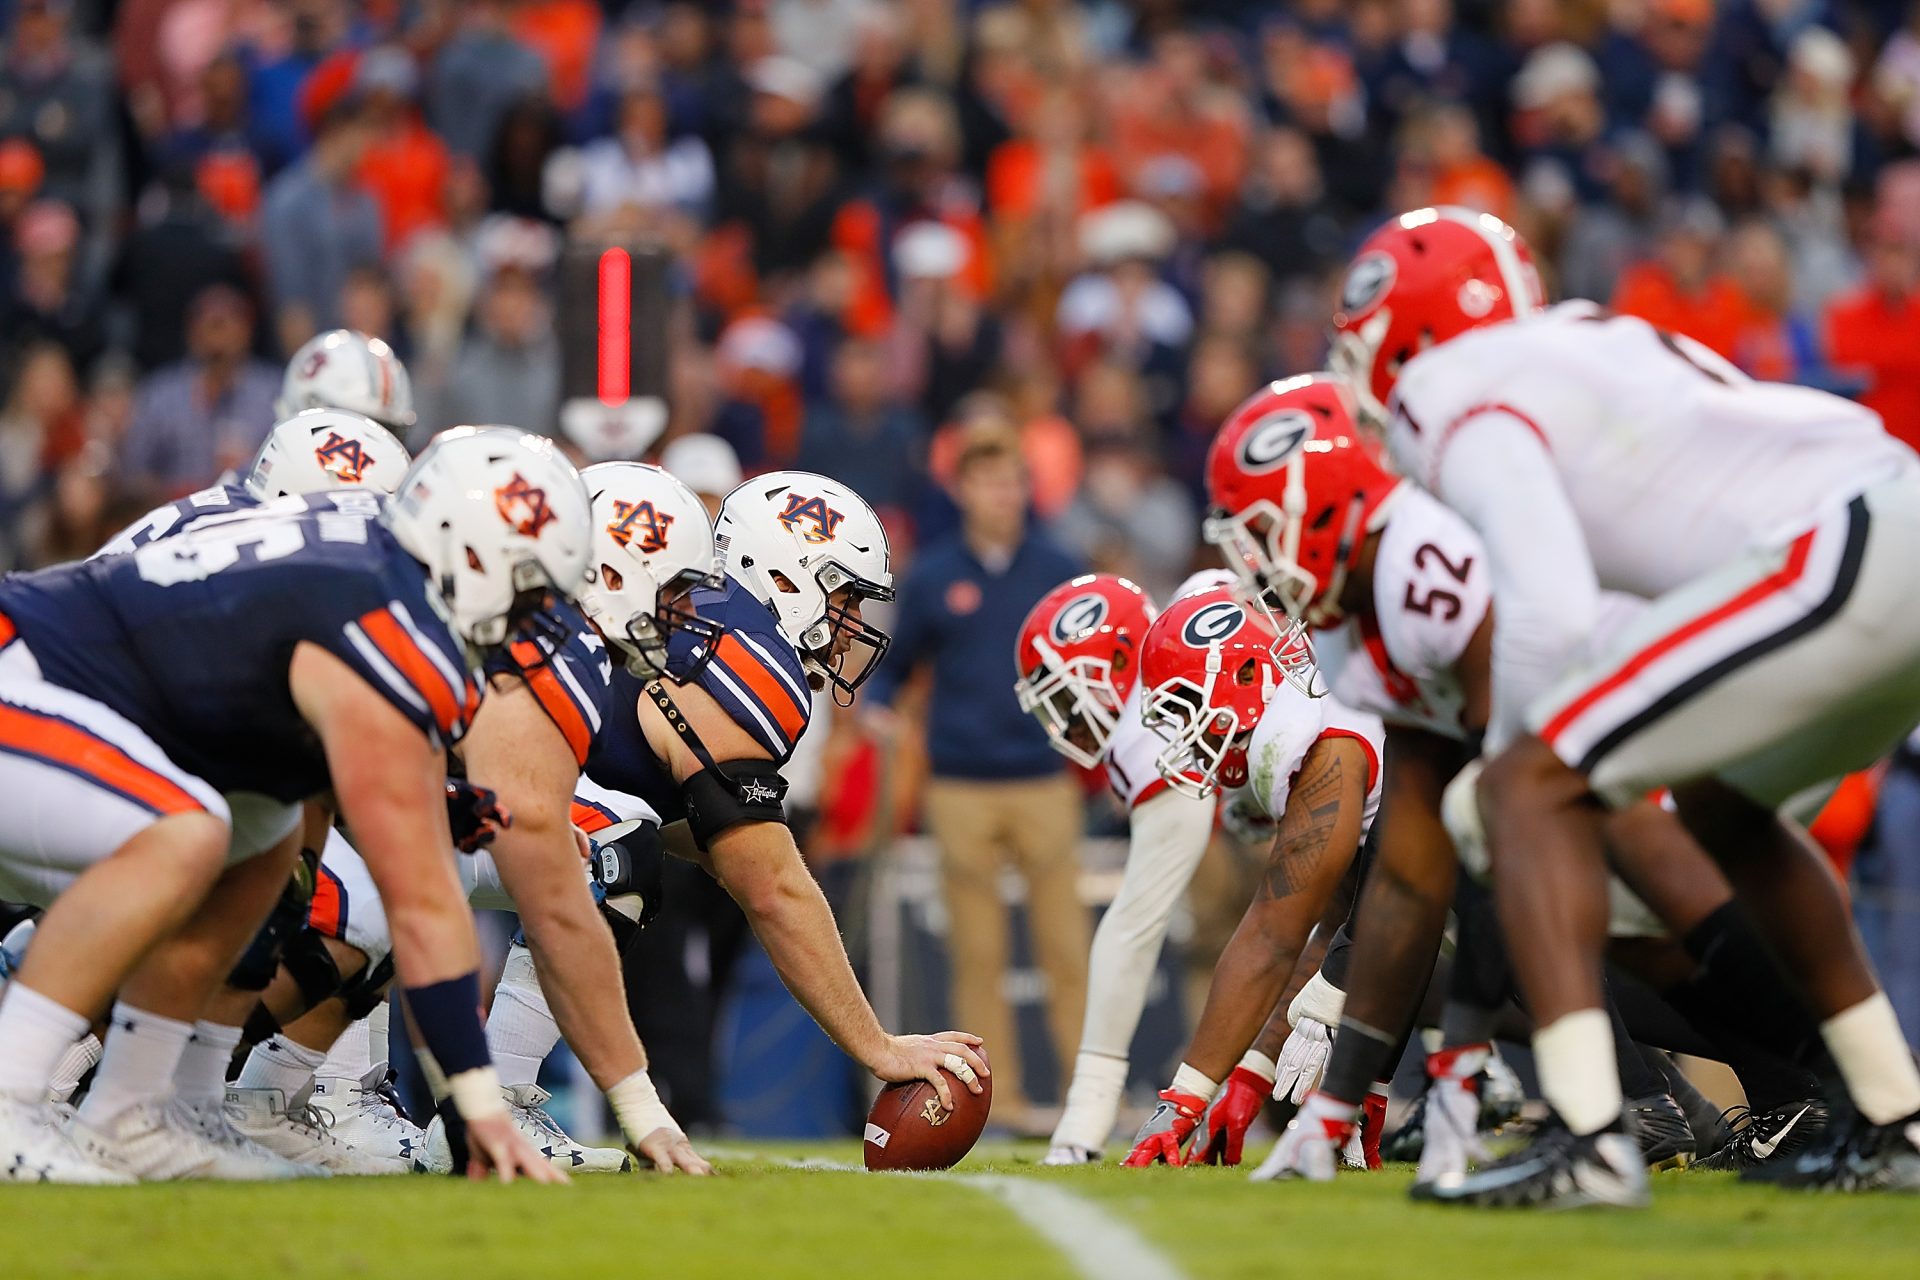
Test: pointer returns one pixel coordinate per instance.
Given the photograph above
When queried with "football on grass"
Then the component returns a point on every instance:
(909, 1129)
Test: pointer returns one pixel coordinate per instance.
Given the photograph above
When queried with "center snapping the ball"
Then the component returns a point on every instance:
(909, 1129)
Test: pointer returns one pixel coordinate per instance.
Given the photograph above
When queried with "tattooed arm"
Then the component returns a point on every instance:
(1315, 843)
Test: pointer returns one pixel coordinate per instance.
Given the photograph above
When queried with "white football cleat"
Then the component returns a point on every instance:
(150, 1140)
(1065, 1153)
(298, 1130)
(525, 1102)
(35, 1147)
(366, 1119)
(240, 1158)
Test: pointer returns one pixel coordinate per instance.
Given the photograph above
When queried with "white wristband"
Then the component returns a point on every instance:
(476, 1093)
(636, 1105)
(1319, 1000)
(1260, 1064)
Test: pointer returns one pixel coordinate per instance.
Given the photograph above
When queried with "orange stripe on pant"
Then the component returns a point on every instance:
(326, 913)
(393, 641)
(68, 746)
(743, 666)
(591, 817)
(537, 671)
(7, 632)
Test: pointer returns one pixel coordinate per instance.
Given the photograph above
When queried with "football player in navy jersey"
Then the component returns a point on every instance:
(163, 714)
(703, 749)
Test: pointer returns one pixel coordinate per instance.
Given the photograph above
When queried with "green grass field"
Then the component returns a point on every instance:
(766, 1219)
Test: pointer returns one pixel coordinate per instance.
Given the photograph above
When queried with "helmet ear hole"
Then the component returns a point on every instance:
(784, 583)
(1248, 674)
(610, 578)
(473, 561)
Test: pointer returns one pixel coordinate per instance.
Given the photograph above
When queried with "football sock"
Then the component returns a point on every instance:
(279, 1063)
(1574, 1055)
(352, 1054)
(142, 1052)
(202, 1073)
(1874, 1060)
(1639, 1077)
(35, 1032)
(73, 1066)
(521, 1031)
(1093, 1101)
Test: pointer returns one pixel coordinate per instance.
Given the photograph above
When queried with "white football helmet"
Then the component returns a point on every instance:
(320, 449)
(500, 519)
(794, 540)
(344, 369)
(652, 545)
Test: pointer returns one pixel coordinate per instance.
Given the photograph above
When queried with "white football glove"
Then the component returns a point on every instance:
(1246, 819)
(1302, 1061)
(1452, 1136)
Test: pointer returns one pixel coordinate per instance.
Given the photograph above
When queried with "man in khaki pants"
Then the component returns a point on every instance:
(998, 795)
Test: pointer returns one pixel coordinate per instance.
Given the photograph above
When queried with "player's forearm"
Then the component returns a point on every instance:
(1247, 984)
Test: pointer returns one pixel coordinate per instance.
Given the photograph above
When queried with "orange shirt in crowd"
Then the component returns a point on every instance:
(1872, 333)
(563, 33)
(1715, 316)
(1016, 173)
(1478, 183)
(406, 174)
(858, 231)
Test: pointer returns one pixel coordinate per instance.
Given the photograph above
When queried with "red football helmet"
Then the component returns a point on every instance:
(1293, 489)
(1209, 666)
(1079, 658)
(1425, 277)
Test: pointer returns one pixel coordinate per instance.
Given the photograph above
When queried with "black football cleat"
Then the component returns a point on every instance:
(1858, 1157)
(1660, 1129)
(1772, 1137)
(1557, 1170)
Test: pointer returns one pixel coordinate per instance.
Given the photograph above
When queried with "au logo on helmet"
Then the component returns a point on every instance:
(1368, 280)
(1215, 622)
(819, 520)
(1274, 440)
(639, 525)
(523, 506)
(344, 459)
(1079, 618)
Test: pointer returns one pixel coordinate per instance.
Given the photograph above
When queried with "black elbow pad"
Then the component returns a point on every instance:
(731, 792)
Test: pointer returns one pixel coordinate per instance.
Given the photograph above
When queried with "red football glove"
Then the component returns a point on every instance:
(1373, 1119)
(1223, 1129)
(1165, 1132)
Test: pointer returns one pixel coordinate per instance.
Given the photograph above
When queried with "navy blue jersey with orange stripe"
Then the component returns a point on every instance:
(190, 637)
(570, 677)
(752, 672)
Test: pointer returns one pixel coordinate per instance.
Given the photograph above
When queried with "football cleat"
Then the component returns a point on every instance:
(1858, 1157)
(1557, 1170)
(1066, 1153)
(1774, 1136)
(1660, 1129)
(527, 1102)
(368, 1118)
(299, 1131)
(150, 1140)
(239, 1158)
(36, 1147)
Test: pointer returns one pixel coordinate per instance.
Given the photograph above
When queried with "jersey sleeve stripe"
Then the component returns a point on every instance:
(589, 710)
(382, 668)
(387, 635)
(773, 664)
(778, 701)
(771, 736)
(70, 747)
(454, 676)
(591, 817)
(537, 670)
(1366, 745)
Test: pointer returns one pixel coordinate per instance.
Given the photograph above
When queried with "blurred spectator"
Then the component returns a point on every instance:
(1778, 342)
(998, 795)
(40, 427)
(758, 366)
(1284, 217)
(477, 76)
(564, 34)
(1220, 375)
(1607, 237)
(945, 340)
(58, 92)
(1129, 517)
(705, 464)
(1896, 78)
(516, 169)
(405, 165)
(177, 250)
(21, 173)
(50, 298)
(1314, 88)
(205, 414)
(820, 33)
(317, 226)
(1122, 310)
(1811, 126)
(861, 436)
(776, 178)
(882, 62)
(1874, 331)
(1040, 182)
(1171, 106)
(1558, 118)
(509, 370)
(219, 148)
(1462, 173)
(1680, 289)
(640, 173)
(279, 68)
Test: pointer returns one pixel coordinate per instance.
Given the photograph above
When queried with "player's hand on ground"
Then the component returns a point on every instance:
(1302, 1061)
(671, 1152)
(494, 1145)
(1451, 1138)
(1223, 1129)
(1310, 1148)
(930, 1058)
(1164, 1134)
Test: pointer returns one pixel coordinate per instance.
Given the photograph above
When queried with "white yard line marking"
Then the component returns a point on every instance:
(1094, 1242)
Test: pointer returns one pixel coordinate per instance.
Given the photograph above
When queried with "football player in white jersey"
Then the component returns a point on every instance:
(1237, 705)
(1772, 527)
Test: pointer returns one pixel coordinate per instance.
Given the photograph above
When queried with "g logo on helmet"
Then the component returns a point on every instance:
(819, 520)
(1368, 280)
(637, 525)
(346, 460)
(1213, 623)
(1274, 440)
(1079, 618)
(523, 506)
